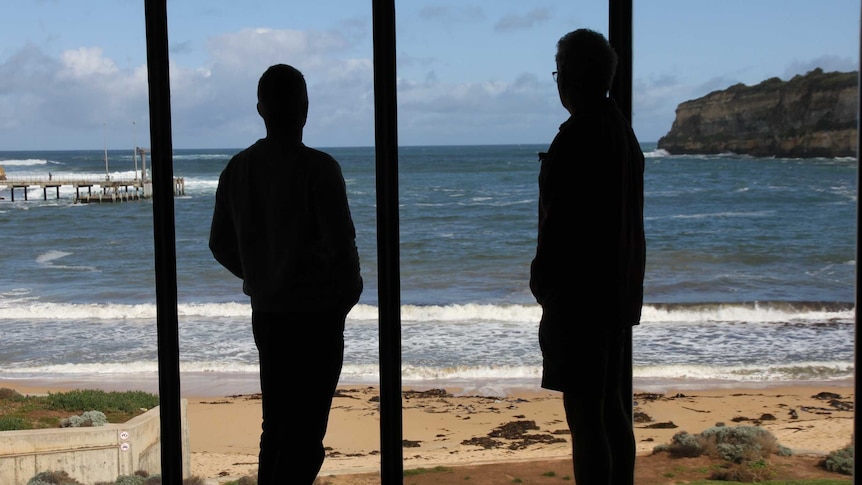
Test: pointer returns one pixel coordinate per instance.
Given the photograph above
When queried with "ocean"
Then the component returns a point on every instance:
(750, 276)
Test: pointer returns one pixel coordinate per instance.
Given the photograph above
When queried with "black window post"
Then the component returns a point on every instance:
(620, 37)
(164, 237)
(388, 264)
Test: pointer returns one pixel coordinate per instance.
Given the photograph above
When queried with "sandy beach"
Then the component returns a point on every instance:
(444, 428)
(452, 429)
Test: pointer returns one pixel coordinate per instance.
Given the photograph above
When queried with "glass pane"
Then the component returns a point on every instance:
(476, 103)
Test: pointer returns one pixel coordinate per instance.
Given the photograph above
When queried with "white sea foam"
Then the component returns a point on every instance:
(668, 315)
(465, 375)
(23, 163)
(48, 260)
(18, 305)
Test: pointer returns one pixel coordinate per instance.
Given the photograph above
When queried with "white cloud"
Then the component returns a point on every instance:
(536, 16)
(86, 62)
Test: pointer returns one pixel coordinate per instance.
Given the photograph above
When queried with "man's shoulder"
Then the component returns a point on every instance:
(318, 155)
(320, 162)
(244, 154)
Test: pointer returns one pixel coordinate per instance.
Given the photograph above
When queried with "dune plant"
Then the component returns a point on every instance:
(737, 444)
(840, 461)
(85, 420)
(53, 478)
(40, 411)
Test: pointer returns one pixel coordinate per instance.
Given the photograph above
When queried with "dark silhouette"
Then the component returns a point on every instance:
(282, 223)
(588, 270)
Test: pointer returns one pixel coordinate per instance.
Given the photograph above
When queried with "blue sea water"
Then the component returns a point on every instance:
(750, 274)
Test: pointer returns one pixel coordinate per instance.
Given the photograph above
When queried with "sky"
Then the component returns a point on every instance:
(73, 73)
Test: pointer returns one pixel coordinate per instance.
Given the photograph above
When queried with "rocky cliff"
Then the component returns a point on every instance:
(814, 115)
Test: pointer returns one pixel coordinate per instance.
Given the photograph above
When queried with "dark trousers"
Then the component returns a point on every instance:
(301, 354)
(603, 442)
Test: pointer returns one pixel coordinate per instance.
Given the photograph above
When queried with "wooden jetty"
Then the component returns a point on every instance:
(109, 190)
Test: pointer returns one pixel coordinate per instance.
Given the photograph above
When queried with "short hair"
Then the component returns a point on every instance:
(283, 93)
(588, 62)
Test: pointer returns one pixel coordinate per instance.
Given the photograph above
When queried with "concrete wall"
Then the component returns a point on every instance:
(89, 455)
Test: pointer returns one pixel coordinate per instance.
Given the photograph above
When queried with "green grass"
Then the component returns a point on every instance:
(38, 412)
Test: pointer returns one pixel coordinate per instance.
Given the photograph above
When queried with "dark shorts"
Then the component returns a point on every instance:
(579, 358)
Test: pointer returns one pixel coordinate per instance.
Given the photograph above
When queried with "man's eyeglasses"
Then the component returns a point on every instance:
(555, 75)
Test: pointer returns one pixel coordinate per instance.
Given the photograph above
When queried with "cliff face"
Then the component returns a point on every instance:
(808, 116)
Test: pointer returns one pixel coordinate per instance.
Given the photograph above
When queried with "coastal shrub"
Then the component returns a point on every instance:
(840, 461)
(86, 420)
(53, 478)
(140, 477)
(12, 423)
(129, 480)
(246, 480)
(124, 402)
(7, 394)
(740, 444)
(421, 471)
(682, 445)
(754, 472)
(736, 444)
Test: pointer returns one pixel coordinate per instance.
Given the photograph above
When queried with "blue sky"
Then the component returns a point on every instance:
(73, 72)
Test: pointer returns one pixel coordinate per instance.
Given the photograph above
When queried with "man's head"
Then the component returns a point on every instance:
(586, 64)
(282, 97)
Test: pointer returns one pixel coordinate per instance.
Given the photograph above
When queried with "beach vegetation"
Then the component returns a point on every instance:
(140, 477)
(246, 480)
(84, 420)
(682, 445)
(840, 461)
(421, 471)
(9, 423)
(7, 394)
(53, 478)
(736, 444)
(85, 407)
(744, 451)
